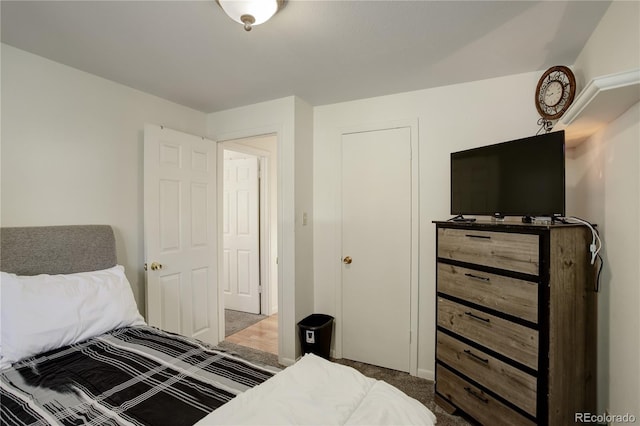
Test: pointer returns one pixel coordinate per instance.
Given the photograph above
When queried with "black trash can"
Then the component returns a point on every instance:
(315, 334)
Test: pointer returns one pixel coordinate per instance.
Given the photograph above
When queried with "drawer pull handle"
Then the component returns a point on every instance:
(477, 277)
(474, 316)
(473, 393)
(476, 357)
(484, 237)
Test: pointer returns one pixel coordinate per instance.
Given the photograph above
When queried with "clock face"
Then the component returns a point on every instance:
(555, 92)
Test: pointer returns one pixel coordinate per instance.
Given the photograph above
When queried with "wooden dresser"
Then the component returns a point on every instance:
(516, 322)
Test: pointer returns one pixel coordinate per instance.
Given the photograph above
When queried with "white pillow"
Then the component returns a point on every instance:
(45, 312)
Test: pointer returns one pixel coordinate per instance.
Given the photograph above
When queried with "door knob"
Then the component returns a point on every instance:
(347, 260)
(156, 266)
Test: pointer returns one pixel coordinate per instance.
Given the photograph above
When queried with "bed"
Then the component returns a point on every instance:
(74, 350)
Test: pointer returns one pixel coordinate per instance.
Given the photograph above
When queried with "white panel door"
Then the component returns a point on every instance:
(376, 247)
(180, 232)
(241, 235)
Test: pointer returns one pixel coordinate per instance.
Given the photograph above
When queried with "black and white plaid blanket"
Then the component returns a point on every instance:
(130, 376)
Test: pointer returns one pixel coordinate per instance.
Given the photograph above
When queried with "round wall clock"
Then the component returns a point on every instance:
(555, 92)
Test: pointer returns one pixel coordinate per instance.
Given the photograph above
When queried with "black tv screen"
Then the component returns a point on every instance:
(523, 177)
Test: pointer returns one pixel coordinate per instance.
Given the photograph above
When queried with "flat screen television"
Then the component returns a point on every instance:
(523, 177)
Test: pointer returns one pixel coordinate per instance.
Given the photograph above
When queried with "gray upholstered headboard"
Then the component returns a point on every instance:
(57, 249)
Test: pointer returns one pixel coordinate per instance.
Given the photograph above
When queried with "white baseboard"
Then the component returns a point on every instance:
(286, 361)
(426, 374)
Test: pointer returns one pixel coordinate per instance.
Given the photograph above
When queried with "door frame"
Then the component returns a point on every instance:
(228, 140)
(412, 124)
(264, 216)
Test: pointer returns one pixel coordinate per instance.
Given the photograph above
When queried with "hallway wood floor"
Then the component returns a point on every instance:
(262, 335)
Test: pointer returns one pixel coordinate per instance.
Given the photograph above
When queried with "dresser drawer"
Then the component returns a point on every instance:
(509, 382)
(475, 402)
(509, 295)
(503, 250)
(505, 337)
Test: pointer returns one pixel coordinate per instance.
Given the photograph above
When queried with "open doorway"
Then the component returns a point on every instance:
(249, 262)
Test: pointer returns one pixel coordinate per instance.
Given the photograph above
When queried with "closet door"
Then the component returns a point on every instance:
(376, 247)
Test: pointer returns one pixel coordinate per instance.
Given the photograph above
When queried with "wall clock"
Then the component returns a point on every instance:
(555, 92)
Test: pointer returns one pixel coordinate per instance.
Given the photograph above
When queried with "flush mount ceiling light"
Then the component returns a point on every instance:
(250, 12)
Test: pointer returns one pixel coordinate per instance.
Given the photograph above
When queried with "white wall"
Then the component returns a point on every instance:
(304, 210)
(603, 179)
(72, 151)
(449, 119)
(288, 119)
(614, 45)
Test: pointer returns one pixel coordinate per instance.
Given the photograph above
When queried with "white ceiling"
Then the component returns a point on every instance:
(325, 52)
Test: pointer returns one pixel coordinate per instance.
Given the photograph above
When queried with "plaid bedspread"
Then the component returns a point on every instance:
(129, 376)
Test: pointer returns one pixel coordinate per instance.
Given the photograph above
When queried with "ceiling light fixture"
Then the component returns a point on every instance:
(250, 12)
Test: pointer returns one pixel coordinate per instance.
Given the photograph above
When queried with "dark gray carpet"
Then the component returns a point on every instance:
(417, 388)
(235, 321)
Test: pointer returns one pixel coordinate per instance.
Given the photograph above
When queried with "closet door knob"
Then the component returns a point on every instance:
(347, 260)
